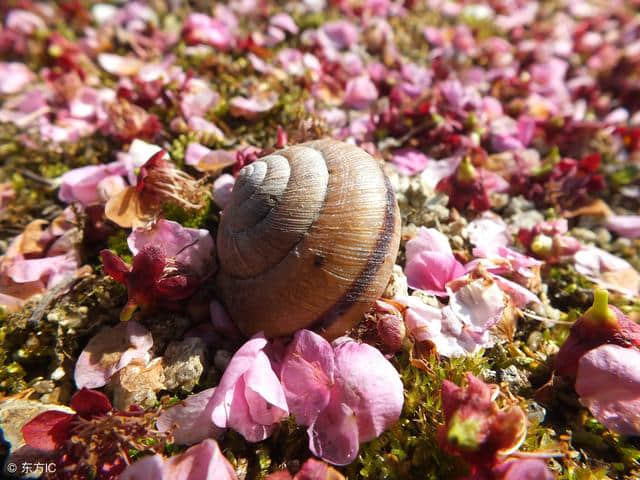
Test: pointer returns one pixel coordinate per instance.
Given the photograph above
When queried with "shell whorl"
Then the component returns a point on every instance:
(308, 240)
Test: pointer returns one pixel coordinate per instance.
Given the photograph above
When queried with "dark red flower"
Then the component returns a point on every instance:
(151, 281)
(475, 428)
(601, 323)
(50, 429)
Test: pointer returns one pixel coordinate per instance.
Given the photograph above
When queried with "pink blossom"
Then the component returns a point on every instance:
(410, 161)
(81, 184)
(360, 92)
(488, 232)
(201, 28)
(284, 22)
(112, 349)
(249, 397)
(197, 98)
(346, 393)
(463, 326)
(14, 77)
(430, 262)
(50, 270)
(252, 107)
(608, 383)
(190, 420)
(192, 248)
(202, 461)
(607, 270)
(338, 34)
(625, 225)
(222, 188)
(24, 22)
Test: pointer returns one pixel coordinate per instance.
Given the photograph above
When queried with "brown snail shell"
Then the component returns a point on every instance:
(308, 240)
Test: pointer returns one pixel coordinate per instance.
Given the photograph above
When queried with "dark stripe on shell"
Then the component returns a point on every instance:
(370, 270)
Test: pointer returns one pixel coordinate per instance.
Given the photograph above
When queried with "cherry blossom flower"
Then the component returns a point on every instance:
(346, 393)
(112, 349)
(158, 183)
(600, 324)
(151, 280)
(249, 397)
(430, 262)
(204, 460)
(200, 28)
(476, 429)
(190, 248)
(464, 325)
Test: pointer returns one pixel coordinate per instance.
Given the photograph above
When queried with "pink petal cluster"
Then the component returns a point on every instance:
(202, 461)
(360, 92)
(93, 184)
(201, 28)
(430, 262)
(346, 393)
(464, 325)
(112, 349)
(607, 270)
(14, 77)
(410, 161)
(312, 469)
(249, 397)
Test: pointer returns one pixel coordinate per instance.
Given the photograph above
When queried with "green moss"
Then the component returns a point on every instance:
(118, 244)
(206, 217)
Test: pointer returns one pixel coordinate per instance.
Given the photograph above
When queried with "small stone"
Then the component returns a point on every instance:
(514, 378)
(137, 384)
(397, 286)
(43, 386)
(526, 219)
(535, 412)
(603, 237)
(57, 374)
(221, 360)
(518, 205)
(584, 234)
(184, 363)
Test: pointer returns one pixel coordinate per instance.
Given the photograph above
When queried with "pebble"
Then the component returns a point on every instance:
(584, 234)
(514, 378)
(184, 363)
(137, 384)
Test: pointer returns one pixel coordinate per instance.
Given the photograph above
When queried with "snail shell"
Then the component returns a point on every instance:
(308, 240)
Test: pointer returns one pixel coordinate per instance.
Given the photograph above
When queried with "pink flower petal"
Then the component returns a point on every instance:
(608, 382)
(81, 184)
(334, 435)
(307, 375)
(151, 466)
(202, 461)
(251, 107)
(371, 387)
(190, 420)
(264, 393)
(431, 271)
(410, 161)
(360, 92)
(190, 247)
(14, 77)
(625, 225)
(222, 188)
(48, 269)
(239, 418)
(112, 349)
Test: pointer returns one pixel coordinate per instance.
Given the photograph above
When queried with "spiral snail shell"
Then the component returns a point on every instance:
(308, 240)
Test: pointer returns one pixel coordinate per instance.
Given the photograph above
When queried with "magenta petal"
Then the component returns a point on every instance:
(334, 435)
(429, 240)
(222, 188)
(240, 416)
(371, 386)
(431, 271)
(264, 393)
(410, 161)
(523, 469)
(202, 461)
(190, 420)
(239, 364)
(608, 382)
(307, 375)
